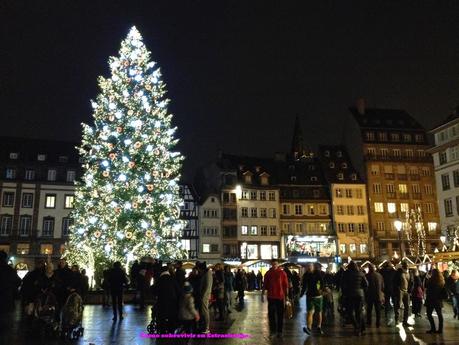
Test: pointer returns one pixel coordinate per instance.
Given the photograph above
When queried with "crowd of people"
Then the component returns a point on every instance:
(362, 292)
(187, 302)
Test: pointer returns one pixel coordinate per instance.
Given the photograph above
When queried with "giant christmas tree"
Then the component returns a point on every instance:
(127, 204)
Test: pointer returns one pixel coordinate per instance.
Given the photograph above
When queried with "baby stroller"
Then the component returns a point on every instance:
(45, 309)
(72, 315)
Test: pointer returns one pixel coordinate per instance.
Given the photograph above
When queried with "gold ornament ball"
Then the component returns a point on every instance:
(97, 234)
(148, 233)
(130, 112)
(135, 205)
(111, 118)
(128, 234)
(137, 145)
(105, 173)
(119, 129)
(149, 187)
(131, 165)
(112, 156)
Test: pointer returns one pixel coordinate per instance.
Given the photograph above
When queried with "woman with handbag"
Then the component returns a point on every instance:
(417, 294)
(435, 293)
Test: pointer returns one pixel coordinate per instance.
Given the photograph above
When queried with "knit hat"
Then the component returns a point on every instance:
(187, 288)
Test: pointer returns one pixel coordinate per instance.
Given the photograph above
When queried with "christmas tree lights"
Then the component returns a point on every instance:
(127, 204)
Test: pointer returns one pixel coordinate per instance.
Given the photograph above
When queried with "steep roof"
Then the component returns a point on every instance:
(335, 160)
(395, 119)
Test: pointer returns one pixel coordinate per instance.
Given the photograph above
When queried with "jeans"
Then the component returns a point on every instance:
(117, 303)
(229, 302)
(354, 308)
(377, 304)
(437, 307)
(405, 299)
(275, 315)
(455, 299)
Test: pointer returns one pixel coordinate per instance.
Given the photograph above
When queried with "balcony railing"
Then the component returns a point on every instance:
(375, 157)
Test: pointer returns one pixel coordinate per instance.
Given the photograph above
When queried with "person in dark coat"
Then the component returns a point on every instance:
(168, 294)
(133, 274)
(417, 294)
(259, 281)
(240, 285)
(84, 284)
(251, 280)
(313, 285)
(375, 294)
(353, 285)
(9, 284)
(388, 273)
(435, 292)
(179, 274)
(295, 284)
(117, 280)
(106, 288)
(229, 287)
(30, 284)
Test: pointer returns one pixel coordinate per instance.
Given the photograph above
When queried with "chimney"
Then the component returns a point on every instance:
(360, 105)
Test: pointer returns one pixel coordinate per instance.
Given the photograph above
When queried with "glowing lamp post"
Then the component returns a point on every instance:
(399, 225)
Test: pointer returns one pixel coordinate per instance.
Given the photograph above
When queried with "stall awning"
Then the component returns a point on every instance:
(445, 256)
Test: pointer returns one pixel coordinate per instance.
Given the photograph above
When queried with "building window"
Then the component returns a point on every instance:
(344, 165)
(419, 138)
(377, 188)
(263, 230)
(273, 230)
(370, 136)
(425, 171)
(286, 209)
(50, 201)
(331, 165)
(342, 248)
(456, 178)
(428, 189)
(316, 193)
(340, 210)
(397, 153)
(430, 208)
(354, 177)
(299, 228)
(448, 207)
(48, 227)
(445, 181)
(29, 174)
(384, 153)
(363, 248)
(70, 176)
(25, 225)
(350, 210)
(379, 207)
(339, 193)
(253, 212)
(52, 175)
(41, 157)
(416, 189)
(10, 173)
(262, 195)
(6, 225)
(311, 210)
(14, 155)
(253, 195)
(352, 248)
(402, 188)
(27, 200)
(263, 213)
(313, 178)
(272, 196)
(374, 169)
(244, 195)
(362, 227)
(340, 176)
(46, 249)
(8, 199)
(443, 157)
(348, 193)
(404, 207)
(406, 138)
(323, 209)
(206, 248)
(272, 212)
(432, 227)
(382, 136)
(395, 137)
(244, 230)
(253, 230)
(186, 244)
(380, 226)
(360, 210)
(391, 207)
(298, 210)
(23, 248)
(341, 227)
(244, 212)
(66, 222)
(351, 227)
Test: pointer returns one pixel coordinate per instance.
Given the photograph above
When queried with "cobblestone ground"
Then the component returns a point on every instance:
(100, 330)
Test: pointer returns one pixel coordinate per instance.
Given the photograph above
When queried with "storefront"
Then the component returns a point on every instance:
(259, 250)
(310, 246)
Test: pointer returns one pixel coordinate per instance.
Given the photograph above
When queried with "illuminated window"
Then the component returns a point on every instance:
(244, 230)
(252, 251)
(342, 248)
(46, 249)
(363, 248)
(432, 226)
(266, 251)
(253, 230)
(402, 188)
(70, 175)
(404, 207)
(52, 175)
(206, 248)
(50, 201)
(379, 207)
(23, 248)
(69, 199)
(391, 207)
(352, 248)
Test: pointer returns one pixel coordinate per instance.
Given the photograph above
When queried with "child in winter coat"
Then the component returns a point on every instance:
(188, 314)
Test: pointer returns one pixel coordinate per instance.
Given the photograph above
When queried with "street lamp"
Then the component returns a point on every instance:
(399, 225)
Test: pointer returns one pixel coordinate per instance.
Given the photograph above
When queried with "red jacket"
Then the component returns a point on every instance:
(276, 283)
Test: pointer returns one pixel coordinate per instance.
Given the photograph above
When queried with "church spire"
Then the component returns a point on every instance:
(297, 142)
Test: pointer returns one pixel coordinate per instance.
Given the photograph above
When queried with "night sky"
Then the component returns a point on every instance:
(237, 72)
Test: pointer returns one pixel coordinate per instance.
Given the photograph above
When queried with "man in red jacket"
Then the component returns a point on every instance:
(276, 283)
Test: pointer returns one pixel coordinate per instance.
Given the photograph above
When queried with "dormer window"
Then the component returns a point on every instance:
(41, 157)
(264, 179)
(339, 154)
(332, 165)
(327, 153)
(312, 167)
(14, 155)
(313, 178)
(63, 159)
(248, 177)
(293, 178)
(340, 176)
(354, 177)
(344, 165)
